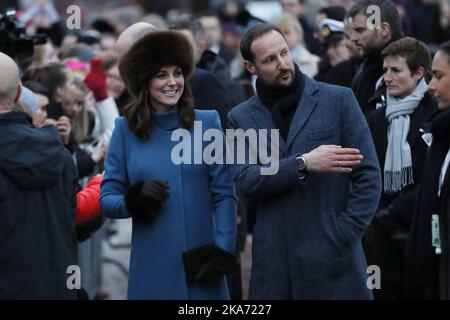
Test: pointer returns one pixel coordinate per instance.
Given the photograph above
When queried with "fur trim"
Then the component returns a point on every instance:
(138, 206)
(152, 52)
(209, 263)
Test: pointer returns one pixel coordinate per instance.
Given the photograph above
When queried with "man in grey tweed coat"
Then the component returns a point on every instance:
(311, 214)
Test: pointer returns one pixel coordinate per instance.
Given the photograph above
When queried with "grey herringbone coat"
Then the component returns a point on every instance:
(307, 237)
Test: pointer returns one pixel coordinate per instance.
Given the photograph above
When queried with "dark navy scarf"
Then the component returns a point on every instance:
(282, 101)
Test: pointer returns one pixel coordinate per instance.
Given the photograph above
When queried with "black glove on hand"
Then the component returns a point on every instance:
(387, 219)
(86, 229)
(208, 263)
(145, 198)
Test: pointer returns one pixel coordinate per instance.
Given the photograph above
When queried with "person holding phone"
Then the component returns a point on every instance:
(57, 80)
(65, 105)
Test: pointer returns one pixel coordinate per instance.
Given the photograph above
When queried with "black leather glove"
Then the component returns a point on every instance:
(86, 229)
(209, 263)
(145, 198)
(386, 218)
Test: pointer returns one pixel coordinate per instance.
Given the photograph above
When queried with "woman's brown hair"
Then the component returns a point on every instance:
(138, 112)
(414, 51)
(445, 47)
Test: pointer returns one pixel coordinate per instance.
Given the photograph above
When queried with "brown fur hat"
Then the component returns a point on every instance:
(152, 52)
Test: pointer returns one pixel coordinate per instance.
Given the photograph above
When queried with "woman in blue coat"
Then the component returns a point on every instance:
(184, 214)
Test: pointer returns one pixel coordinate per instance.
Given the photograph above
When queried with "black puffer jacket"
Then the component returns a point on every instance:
(37, 202)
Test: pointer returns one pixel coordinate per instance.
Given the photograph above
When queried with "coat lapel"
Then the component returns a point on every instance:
(304, 109)
(416, 123)
(263, 118)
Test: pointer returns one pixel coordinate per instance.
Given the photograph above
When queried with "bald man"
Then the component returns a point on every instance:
(132, 34)
(37, 200)
(10, 87)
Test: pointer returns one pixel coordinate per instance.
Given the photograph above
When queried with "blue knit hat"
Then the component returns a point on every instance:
(30, 98)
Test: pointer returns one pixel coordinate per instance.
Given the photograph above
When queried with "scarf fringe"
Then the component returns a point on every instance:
(396, 181)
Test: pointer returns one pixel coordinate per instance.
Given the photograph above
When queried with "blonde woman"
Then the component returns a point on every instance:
(293, 32)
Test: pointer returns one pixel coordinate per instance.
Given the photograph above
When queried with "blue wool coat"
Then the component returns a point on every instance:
(201, 207)
(307, 236)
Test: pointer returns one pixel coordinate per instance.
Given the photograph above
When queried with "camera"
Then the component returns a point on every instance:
(13, 39)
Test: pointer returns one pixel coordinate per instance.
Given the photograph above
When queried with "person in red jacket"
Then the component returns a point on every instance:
(88, 204)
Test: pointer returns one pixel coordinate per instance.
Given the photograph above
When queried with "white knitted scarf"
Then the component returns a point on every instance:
(398, 162)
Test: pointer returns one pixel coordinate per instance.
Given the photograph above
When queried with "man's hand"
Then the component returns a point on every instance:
(332, 158)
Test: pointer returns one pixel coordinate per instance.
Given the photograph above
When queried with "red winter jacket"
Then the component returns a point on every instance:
(88, 200)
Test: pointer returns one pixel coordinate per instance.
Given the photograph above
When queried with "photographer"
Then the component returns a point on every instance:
(58, 80)
(42, 17)
(15, 42)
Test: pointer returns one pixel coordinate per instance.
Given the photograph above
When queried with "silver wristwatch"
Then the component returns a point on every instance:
(302, 166)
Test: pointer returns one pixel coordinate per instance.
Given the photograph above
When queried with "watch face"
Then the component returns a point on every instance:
(301, 164)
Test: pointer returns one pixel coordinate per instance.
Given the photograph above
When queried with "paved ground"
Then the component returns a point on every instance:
(114, 281)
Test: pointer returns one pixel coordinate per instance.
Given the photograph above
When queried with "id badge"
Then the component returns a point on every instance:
(428, 138)
(435, 238)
